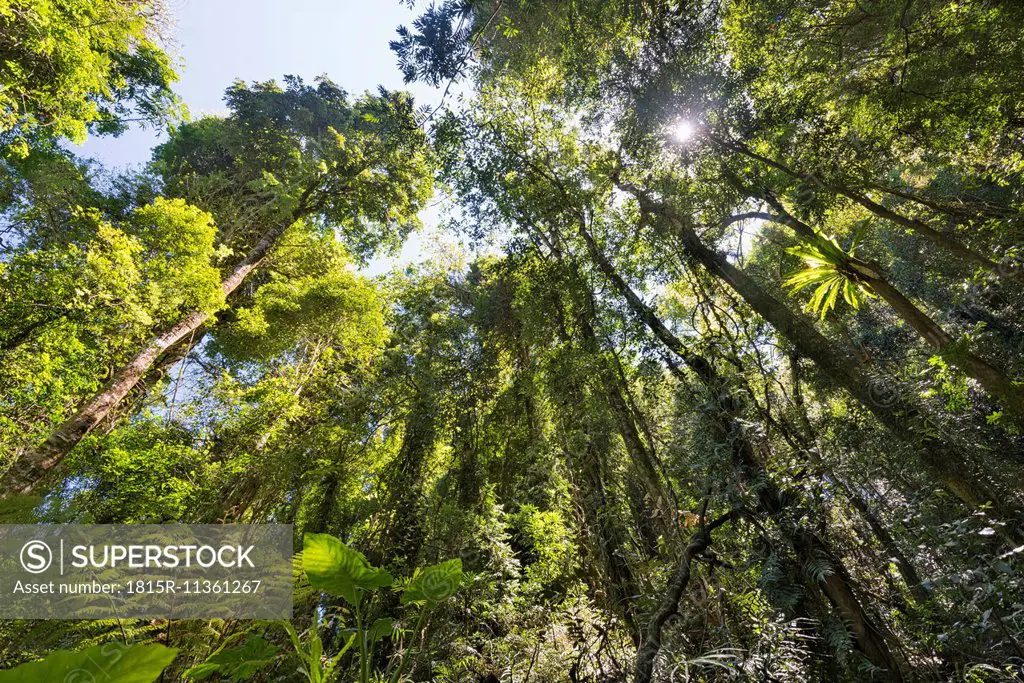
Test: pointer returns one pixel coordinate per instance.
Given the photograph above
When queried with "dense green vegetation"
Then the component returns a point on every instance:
(730, 390)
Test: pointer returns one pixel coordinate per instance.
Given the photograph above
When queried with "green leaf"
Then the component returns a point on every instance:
(316, 648)
(111, 663)
(237, 664)
(337, 569)
(823, 268)
(201, 672)
(833, 291)
(350, 638)
(433, 585)
(382, 628)
(292, 634)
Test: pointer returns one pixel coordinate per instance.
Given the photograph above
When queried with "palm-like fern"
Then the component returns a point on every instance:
(828, 267)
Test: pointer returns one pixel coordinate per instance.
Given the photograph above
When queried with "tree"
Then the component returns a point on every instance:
(689, 114)
(280, 153)
(592, 428)
(70, 66)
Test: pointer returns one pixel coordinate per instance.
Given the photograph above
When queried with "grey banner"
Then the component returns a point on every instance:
(173, 571)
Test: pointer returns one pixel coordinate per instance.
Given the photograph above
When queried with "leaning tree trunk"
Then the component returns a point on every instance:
(892, 549)
(34, 464)
(836, 584)
(136, 398)
(990, 377)
(995, 381)
(941, 460)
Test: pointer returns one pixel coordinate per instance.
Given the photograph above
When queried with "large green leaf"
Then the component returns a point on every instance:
(433, 585)
(111, 663)
(334, 567)
(382, 628)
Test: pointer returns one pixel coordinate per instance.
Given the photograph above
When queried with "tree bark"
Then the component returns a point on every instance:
(586, 442)
(941, 460)
(995, 381)
(961, 211)
(29, 470)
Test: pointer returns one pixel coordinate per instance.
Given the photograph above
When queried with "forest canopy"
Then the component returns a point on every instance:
(726, 382)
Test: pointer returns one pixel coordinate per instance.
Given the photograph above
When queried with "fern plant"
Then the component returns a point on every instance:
(828, 267)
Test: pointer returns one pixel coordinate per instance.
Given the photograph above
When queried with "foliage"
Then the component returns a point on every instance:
(236, 663)
(131, 664)
(592, 433)
(825, 269)
(435, 50)
(72, 65)
(333, 567)
(362, 167)
(431, 586)
(119, 282)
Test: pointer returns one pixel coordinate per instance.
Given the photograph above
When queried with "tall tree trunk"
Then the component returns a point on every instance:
(892, 549)
(34, 464)
(995, 382)
(136, 398)
(941, 460)
(643, 518)
(991, 378)
(610, 541)
(586, 444)
(403, 536)
(640, 453)
(726, 417)
(320, 519)
(836, 584)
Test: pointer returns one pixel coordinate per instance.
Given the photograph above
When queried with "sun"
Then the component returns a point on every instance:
(684, 131)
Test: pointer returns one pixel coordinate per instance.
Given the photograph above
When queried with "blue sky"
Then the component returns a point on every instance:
(219, 41)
